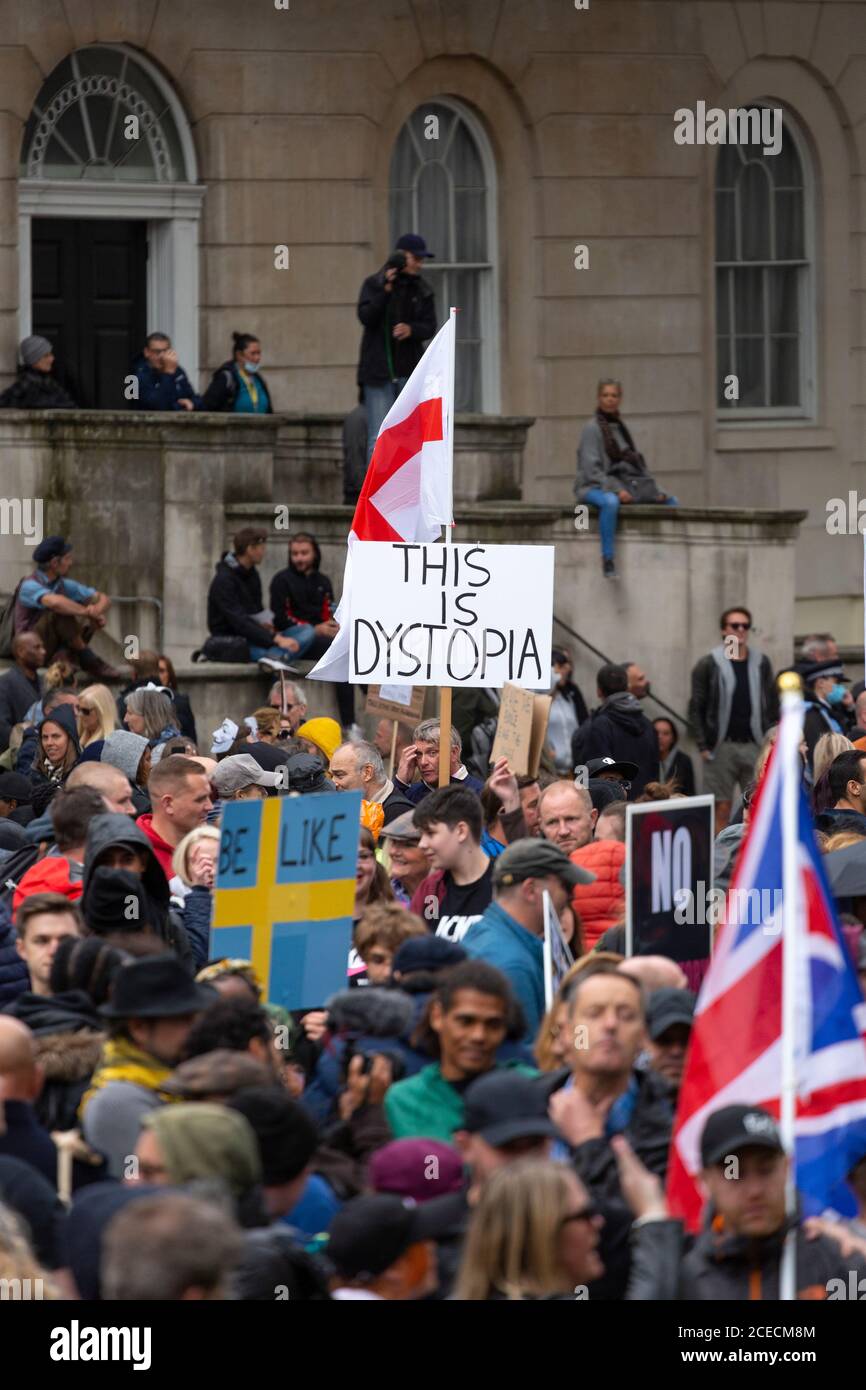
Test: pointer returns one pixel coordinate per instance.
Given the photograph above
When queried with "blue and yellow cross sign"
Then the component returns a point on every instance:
(285, 892)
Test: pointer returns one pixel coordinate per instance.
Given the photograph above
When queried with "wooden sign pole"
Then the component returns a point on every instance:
(444, 735)
(393, 749)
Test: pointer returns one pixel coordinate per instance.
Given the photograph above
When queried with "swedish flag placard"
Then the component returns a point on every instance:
(285, 892)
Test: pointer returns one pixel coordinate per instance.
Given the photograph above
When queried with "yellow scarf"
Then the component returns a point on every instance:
(121, 1060)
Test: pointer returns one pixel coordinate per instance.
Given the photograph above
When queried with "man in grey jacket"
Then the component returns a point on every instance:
(733, 704)
(611, 471)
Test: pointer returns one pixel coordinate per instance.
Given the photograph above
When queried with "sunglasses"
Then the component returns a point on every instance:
(86, 709)
(741, 627)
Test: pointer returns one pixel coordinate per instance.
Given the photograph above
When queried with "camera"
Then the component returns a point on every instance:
(398, 1065)
(396, 261)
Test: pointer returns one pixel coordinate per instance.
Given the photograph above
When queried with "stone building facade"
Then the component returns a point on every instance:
(276, 149)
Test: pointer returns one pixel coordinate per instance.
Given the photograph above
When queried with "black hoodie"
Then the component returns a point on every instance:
(302, 598)
(46, 784)
(113, 830)
(619, 729)
(235, 594)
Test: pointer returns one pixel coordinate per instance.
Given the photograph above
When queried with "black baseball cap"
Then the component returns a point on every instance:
(51, 547)
(669, 1006)
(14, 787)
(535, 858)
(370, 1233)
(736, 1127)
(411, 241)
(504, 1105)
(599, 765)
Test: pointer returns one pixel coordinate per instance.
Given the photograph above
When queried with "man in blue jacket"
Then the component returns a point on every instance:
(510, 934)
(162, 382)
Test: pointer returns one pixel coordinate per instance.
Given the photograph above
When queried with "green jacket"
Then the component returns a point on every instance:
(427, 1105)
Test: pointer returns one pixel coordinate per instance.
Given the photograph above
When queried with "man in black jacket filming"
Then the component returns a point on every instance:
(398, 311)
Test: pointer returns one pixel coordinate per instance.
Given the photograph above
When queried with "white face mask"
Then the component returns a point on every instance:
(251, 366)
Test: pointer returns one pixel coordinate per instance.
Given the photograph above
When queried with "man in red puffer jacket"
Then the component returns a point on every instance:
(601, 904)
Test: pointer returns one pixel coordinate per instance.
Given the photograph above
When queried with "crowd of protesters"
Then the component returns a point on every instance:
(432, 1130)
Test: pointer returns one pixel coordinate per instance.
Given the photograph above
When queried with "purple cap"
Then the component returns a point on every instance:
(417, 1168)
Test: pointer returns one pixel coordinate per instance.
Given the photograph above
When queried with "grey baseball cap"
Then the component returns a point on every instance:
(241, 770)
(534, 858)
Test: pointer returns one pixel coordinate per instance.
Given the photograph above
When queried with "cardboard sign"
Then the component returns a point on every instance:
(669, 864)
(285, 892)
(521, 729)
(382, 704)
(558, 959)
(456, 615)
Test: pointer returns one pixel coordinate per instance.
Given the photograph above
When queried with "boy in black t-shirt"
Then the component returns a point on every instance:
(460, 888)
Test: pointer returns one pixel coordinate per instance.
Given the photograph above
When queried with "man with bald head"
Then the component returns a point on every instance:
(567, 816)
(655, 972)
(20, 687)
(21, 1077)
(112, 785)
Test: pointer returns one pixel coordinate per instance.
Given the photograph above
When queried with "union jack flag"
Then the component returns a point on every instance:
(735, 1052)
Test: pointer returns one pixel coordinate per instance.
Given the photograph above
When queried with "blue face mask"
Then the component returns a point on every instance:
(251, 366)
(836, 695)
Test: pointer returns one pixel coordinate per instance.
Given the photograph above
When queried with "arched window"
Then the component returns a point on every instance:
(764, 321)
(102, 115)
(109, 207)
(442, 186)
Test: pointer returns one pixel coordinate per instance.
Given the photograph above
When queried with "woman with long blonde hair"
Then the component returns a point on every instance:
(534, 1234)
(97, 714)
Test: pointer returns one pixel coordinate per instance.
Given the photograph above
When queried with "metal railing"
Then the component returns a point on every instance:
(662, 704)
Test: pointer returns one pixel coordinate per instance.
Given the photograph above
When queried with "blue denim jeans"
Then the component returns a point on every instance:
(304, 634)
(608, 505)
(378, 400)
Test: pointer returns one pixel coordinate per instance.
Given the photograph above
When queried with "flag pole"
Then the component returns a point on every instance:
(790, 734)
(445, 690)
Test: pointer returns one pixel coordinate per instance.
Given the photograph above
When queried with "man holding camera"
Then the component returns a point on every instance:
(397, 308)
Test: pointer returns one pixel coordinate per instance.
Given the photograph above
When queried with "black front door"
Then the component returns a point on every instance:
(90, 301)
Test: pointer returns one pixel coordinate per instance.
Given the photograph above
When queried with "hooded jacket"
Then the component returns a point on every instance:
(113, 830)
(619, 729)
(69, 1037)
(301, 598)
(410, 301)
(44, 784)
(235, 594)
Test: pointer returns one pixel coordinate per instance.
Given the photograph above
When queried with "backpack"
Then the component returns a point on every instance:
(15, 867)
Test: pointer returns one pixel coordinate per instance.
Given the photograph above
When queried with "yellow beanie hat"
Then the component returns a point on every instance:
(324, 733)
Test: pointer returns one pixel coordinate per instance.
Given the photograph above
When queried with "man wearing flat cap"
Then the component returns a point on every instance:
(64, 612)
(510, 933)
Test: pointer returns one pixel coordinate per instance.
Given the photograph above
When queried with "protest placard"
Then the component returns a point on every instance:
(457, 615)
(405, 703)
(521, 727)
(669, 866)
(285, 892)
(558, 959)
